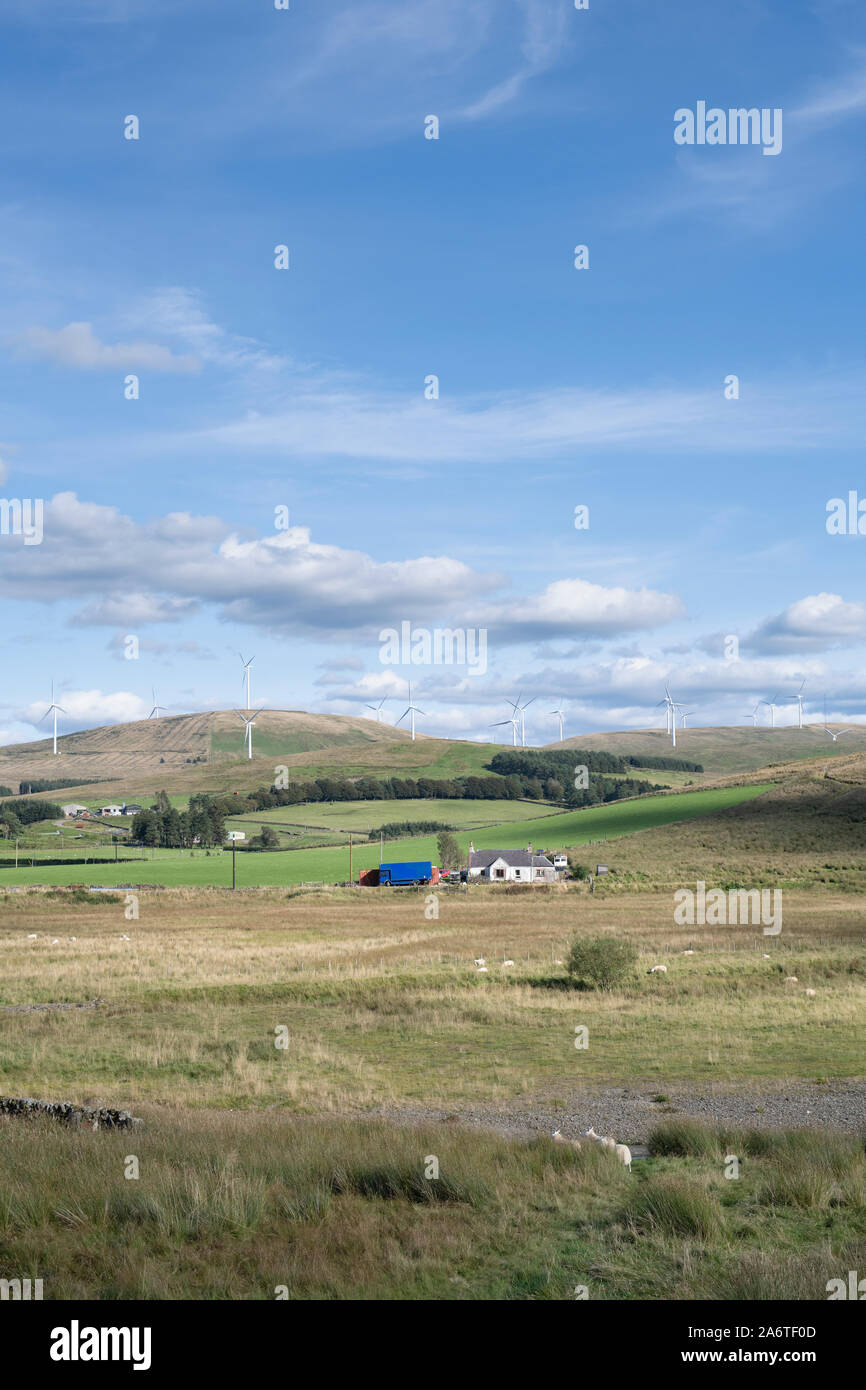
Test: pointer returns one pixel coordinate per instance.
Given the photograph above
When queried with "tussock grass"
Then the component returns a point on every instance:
(232, 1206)
(676, 1207)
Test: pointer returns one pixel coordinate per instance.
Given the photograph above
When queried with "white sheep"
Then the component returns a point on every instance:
(480, 961)
(810, 993)
(559, 1138)
(507, 962)
(482, 970)
(652, 970)
(791, 980)
(622, 1151)
(31, 936)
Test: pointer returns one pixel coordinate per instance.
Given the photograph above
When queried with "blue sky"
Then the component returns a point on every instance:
(305, 388)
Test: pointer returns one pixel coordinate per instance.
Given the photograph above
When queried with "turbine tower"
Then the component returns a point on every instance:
(671, 708)
(771, 705)
(55, 709)
(668, 703)
(753, 715)
(246, 665)
(799, 698)
(560, 714)
(520, 710)
(513, 722)
(684, 714)
(411, 710)
(154, 713)
(249, 720)
(377, 709)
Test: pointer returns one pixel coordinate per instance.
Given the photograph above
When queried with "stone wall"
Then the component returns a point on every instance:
(75, 1115)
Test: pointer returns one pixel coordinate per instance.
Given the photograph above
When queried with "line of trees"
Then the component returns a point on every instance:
(539, 785)
(562, 765)
(396, 829)
(14, 815)
(164, 825)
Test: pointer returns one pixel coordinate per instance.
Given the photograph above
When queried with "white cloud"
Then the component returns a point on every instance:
(129, 609)
(77, 346)
(178, 312)
(816, 622)
(85, 709)
(289, 583)
(335, 421)
(568, 607)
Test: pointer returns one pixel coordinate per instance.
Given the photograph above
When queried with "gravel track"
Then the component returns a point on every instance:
(629, 1113)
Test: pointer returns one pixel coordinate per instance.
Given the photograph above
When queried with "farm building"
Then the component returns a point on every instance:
(510, 866)
(130, 808)
(236, 835)
(111, 810)
(73, 809)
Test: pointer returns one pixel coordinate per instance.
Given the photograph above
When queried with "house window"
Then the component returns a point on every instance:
(499, 873)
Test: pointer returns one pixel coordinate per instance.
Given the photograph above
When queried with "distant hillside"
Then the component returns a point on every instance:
(200, 744)
(723, 751)
(204, 752)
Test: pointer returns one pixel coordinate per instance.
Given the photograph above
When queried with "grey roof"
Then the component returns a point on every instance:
(515, 858)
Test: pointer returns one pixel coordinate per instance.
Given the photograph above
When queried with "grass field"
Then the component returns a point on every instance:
(365, 815)
(384, 1005)
(303, 1167)
(595, 824)
(258, 1207)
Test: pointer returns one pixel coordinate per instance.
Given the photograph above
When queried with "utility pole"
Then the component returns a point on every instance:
(234, 879)
(351, 880)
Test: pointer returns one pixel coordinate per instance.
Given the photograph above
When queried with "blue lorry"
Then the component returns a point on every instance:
(398, 875)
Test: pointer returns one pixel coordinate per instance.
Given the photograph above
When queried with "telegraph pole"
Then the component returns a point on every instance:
(234, 879)
(350, 857)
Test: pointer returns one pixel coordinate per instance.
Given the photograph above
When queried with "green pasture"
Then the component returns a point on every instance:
(593, 825)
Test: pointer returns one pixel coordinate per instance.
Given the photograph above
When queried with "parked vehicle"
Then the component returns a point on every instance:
(419, 871)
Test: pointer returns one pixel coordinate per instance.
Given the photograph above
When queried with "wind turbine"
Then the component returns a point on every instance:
(771, 705)
(837, 735)
(684, 714)
(799, 698)
(520, 709)
(667, 702)
(413, 710)
(249, 720)
(154, 713)
(377, 708)
(513, 722)
(671, 708)
(560, 714)
(56, 709)
(246, 665)
(753, 715)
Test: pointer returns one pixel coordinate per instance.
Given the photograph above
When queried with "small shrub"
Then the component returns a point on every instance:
(600, 962)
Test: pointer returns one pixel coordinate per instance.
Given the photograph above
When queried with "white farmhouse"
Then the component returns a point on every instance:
(510, 866)
(236, 835)
(111, 810)
(73, 809)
